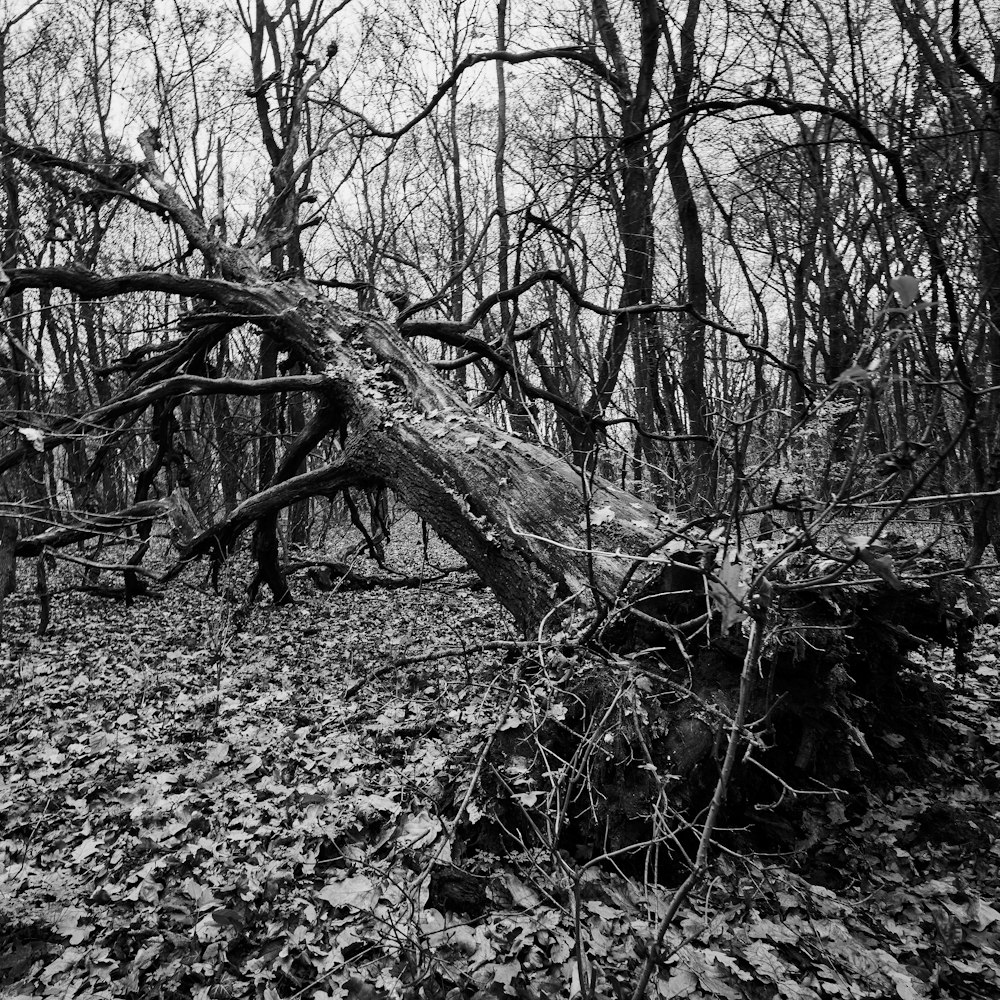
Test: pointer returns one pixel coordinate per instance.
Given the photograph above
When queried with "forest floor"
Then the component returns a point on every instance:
(192, 807)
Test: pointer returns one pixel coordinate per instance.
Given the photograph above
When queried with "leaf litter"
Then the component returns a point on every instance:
(193, 809)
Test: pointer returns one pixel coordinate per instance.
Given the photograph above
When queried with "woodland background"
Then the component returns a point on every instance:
(676, 327)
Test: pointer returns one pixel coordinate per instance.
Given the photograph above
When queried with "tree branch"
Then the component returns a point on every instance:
(583, 54)
(89, 285)
(318, 482)
(95, 524)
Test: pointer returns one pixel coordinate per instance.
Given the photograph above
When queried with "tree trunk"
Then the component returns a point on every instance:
(298, 516)
(693, 347)
(8, 563)
(565, 552)
(491, 495)
(265, 538)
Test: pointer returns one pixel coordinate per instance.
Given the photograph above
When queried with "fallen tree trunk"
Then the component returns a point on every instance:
(592, 573)
(547, 538)
(524, 520)
(550, 542)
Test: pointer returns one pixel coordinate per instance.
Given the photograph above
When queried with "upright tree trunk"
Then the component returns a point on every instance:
(16, 360)
(17, 379)
(265, 536)
(635, 222)
(693, 389)
(986, 525)
(225, 439)
(520, 421)
(458, 234)
(8, 563)
(298, 514)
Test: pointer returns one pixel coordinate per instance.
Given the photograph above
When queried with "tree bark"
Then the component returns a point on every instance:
(693, 388)
(491, 495)
(8, 560)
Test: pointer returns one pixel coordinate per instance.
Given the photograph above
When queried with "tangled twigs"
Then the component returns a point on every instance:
(439, 654)
(751, 664)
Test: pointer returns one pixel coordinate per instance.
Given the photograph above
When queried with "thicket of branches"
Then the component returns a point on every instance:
(734, 259)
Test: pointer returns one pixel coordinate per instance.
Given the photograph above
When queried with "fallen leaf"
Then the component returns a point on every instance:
(599, 516)
(85, 850)
(357, 892)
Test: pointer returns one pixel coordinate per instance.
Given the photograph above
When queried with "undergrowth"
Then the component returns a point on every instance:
(193, 808)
